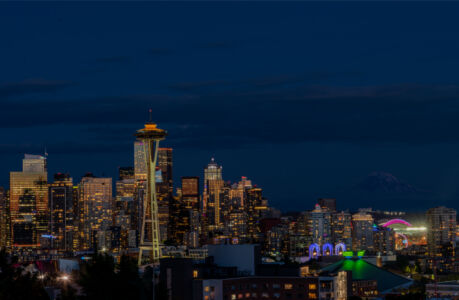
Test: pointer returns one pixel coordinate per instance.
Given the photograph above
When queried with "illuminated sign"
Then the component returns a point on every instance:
(350, 254)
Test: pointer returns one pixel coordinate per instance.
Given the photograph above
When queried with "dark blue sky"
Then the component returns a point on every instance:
(304, 98)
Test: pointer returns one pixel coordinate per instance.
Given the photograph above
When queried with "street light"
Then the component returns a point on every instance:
(64, 278)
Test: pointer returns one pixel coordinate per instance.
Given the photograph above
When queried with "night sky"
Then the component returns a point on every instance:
(306, 99)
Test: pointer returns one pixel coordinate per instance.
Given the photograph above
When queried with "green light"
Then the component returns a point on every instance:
(361, 253)
(348, 253)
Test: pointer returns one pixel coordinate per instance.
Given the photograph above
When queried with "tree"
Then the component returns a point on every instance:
(15, 284)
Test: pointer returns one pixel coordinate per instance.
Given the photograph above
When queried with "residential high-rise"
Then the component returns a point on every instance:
(61, 221)
(320, 225)
(384, 240)
(29, 202)
(342, 228)
(362, 233)
(441, 237)
(95, 209)
(150, 136)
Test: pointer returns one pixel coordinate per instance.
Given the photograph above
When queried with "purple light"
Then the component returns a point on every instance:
(396, 221)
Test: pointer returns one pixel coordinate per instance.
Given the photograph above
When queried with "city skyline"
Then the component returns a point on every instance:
(343, 95)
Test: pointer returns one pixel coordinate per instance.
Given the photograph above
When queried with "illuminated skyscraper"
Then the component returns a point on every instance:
(256, 207)
(5, 230)
(441, 237)
(362, 233)
(61, 213)
(185, 221)
(190, 192)
(29, 202)
(164, 189)
(95, 209)
(342, 228)
(212, 195)
(126, 210)
(238, 192)
(320, 225)
(150, 136)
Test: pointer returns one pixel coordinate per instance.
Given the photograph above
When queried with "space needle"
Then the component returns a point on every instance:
(150, 136)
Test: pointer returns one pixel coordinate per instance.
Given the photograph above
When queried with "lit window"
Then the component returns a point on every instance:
(206, 289)
(276, 286)
(312, 286)
(233, 297)
(265, 295)
(276, 295)
(288, 286)
(195, 273)
(312, 296)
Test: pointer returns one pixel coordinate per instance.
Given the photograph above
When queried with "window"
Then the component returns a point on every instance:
(254, 285)
(276, 286)
(312, 286)
(276, 295)
(233, 297)
(288, 286)
(195, 273)
(206, 289)
(264, 295)
(312, 296)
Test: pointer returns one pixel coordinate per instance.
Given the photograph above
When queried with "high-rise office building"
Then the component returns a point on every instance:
(95, 209)
(29, 209)
(238, 191)
(164, 189)
(5, 230)
(362, 233)
(256, 207)
(441, 238)
(140, 168)
(212, 196)
(126, 209)
(185, 221)
(190, 192)
(61, 221)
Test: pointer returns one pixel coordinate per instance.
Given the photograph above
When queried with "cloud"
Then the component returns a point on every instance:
(32, 86)
(113, 59)
(282, 113)
(160, 51)
(219, 45)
